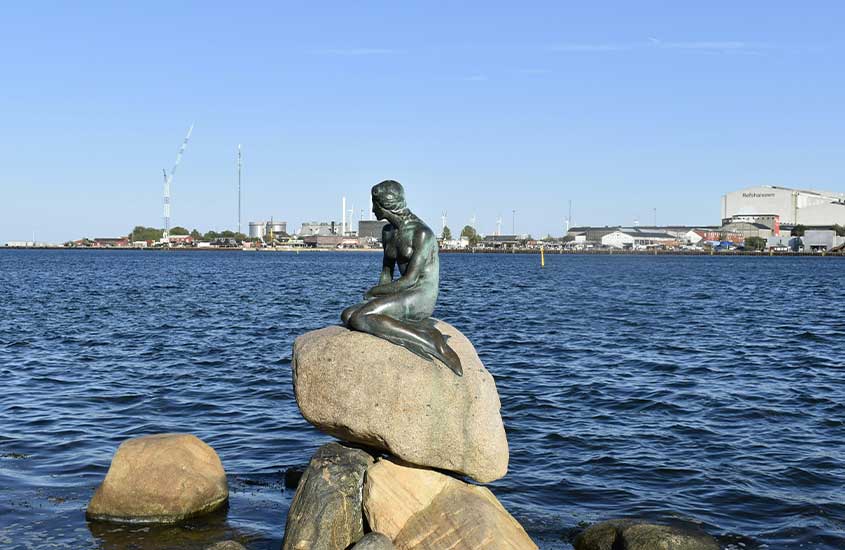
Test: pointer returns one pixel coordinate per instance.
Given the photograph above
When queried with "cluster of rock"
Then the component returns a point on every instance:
(409, 430)
(409, 427)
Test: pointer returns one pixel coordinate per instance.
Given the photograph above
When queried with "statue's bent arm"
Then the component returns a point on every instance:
(388, 265)
(423, 240)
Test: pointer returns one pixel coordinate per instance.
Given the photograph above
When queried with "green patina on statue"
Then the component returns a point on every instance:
(400, 310)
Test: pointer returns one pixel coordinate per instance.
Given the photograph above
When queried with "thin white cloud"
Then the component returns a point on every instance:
(720, 46)
(713, 45)
(357, 51)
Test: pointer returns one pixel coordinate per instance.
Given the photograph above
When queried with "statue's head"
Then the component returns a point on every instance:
(388, 196)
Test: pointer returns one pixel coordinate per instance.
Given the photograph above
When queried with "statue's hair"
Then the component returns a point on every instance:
(390, 195)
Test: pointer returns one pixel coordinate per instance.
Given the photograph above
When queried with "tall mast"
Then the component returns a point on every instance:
(239, 187)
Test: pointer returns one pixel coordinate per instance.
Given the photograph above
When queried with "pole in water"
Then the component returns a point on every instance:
(542, 258)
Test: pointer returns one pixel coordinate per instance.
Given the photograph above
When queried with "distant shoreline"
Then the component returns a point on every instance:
(180, 249)
(617, 252)
(534, 251)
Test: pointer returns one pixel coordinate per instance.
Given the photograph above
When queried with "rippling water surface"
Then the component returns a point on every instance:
(703, 390)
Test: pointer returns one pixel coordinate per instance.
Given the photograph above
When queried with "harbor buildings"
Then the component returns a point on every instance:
(773, 206)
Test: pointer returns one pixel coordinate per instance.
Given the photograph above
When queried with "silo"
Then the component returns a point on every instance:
(257, 229)
(279, 227)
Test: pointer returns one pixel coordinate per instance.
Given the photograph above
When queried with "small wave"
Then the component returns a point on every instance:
(808, 336)
(19, 344)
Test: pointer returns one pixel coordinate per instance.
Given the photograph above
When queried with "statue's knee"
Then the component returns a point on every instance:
(355, 322)
(347, 314)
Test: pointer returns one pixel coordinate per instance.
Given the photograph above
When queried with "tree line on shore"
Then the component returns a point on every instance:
(141, 233)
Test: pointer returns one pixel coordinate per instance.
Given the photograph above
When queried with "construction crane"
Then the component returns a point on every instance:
(168, 180)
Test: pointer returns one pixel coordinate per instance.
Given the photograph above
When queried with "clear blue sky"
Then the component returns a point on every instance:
(478, 109)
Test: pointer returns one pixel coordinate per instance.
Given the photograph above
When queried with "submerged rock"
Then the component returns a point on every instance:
(293, 475)
(162, 478)
(364, 389)
(227, 545)
(325, 513)
(425, 510)
(374, 541)
(639, 535)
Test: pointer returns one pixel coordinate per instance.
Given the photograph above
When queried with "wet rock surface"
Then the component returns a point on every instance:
(374, 541)
(326, 511)
(632, 534)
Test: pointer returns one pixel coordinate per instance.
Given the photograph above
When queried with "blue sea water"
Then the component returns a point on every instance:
(703, 390)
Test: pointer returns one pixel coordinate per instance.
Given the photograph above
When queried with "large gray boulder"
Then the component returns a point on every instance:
(163, 478)
(633, 534)
(364, 389)
(326, 512)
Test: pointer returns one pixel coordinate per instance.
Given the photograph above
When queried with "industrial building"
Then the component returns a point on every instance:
(776, 206)
(322, 241)
(259, 230)
(749, 229)
(370, 229)
(636, 239)
(821, 240)
(596, 234)
(503, 241)
(700, 236)
(591, 234)
(323, 229)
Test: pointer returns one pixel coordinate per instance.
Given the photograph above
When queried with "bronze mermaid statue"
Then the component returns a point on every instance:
(400, 310)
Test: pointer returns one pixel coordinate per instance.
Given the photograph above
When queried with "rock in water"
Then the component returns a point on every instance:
(325, 513)
(374, 541)
(639, 535)
(162, 478)
(425, 510)
(227, 545)
(363, 389)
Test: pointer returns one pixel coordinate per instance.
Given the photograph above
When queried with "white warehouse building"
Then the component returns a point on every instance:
(634, 238)
(791, 206)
